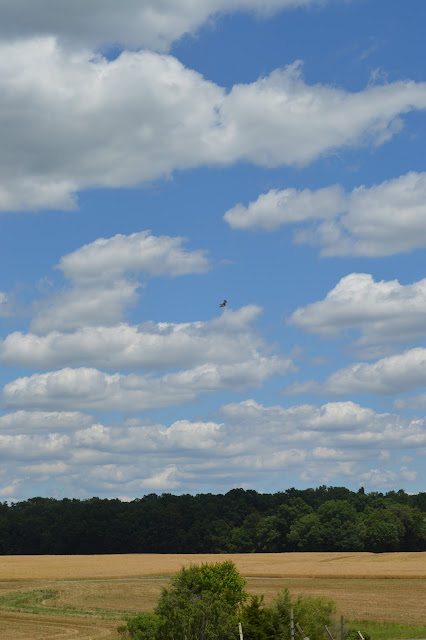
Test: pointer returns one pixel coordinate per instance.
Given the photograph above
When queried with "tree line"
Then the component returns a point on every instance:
(240, 521)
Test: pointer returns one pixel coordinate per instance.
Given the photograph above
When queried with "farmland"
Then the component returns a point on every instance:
(89, 596)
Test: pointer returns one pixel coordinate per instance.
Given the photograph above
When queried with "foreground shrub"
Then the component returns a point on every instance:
(201, 604)
(207, 602)
(142, 627)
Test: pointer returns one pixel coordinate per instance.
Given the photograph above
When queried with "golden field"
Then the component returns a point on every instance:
(271, 565)
(85, 597)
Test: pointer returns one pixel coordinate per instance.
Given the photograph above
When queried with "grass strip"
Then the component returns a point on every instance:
(34, 602)
(388, 630)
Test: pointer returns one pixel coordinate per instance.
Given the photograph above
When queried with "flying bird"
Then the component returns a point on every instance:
(223, 303)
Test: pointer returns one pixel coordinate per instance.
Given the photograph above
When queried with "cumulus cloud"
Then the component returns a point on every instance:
(335, 425)
(7, 492)
(276, 208)
(83, 306)
(78, 121)
(391, 375)
(106, 259)
(380, 220)
(150, 346)
(386, 477)
(383, 311)
(87, 388)
(36, 421)
(137, 23)
(103, 279)
(22, 446)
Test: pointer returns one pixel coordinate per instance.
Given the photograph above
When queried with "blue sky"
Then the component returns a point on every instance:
(160, 157)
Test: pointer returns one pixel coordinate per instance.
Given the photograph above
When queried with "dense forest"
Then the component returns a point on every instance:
(240, 521)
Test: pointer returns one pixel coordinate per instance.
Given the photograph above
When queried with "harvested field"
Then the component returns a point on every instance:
(272, 565)
(85, 597)
(19, 626)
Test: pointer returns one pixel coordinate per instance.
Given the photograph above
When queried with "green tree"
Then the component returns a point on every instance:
(201, 604)
(313, 613)
(220, 579)
(281, 615)
(198, 616)
(414, 523)
(305, 534)
(340, 529)
(257, 620)
(383, 531)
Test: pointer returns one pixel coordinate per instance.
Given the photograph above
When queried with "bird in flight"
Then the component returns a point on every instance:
(223, 303)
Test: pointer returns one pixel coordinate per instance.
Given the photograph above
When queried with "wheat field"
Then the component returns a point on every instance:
(272, 565)
(87, 597)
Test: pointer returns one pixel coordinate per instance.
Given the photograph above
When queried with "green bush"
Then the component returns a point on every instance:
(207, 602)
(201, 604)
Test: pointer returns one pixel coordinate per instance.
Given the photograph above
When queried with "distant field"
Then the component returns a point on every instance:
(272, 565)
(86, 597)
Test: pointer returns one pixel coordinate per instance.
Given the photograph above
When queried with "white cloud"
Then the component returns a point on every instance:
(35, 421)
(391, 375)
(386, 477)
(78, 121)
(133, 437)
(103, 280)
(106, 259)
(380, 220)
(83, 306)
(135, 23)
(336, 426)
(7, 492)
(275, 208)
(46, 469)
(383, 311)
(86, 388)
(23, 447)
(229, 338)
(315, 472)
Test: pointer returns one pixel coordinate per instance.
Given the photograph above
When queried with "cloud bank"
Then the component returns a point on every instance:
(252, 443)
